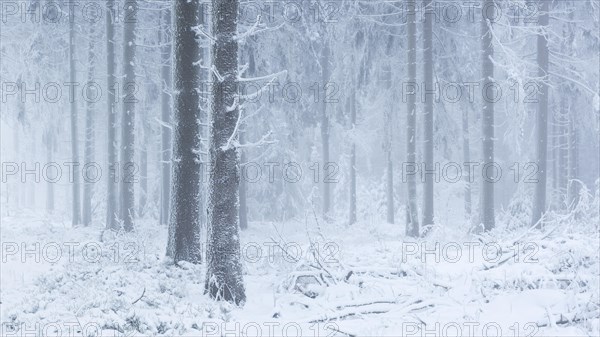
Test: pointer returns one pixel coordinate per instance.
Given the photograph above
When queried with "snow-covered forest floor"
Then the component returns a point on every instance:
(58, 280)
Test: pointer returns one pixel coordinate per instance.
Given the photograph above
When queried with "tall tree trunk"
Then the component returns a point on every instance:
(573, 182)
(184, 228)
(353, 103)
(224, 280)
(88, 187)
(563, 149)
(129, 167)
(555, 196)
(467, 159)
(387, 142)
(144, 163)
(487, 74)
(412, 217)
(542, 117)
(325, 126)
(112, 148)
(243, 185)
(76, 201)
(165, 41)
(389, 170)
(49, 139)
(428, 118)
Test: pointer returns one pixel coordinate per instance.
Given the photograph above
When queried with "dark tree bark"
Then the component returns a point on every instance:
(129, 167)
(112, 148)
(412, 217)
(539, 207)
(487, 74)
(224, 280)
(165, 41)
(243, 185)
(428, 118)
(184, 228)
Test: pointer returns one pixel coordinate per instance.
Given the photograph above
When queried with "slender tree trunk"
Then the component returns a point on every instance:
(487, 74)
(49, 139)
(112, 148)
(389, 176)
(144, 168)
(325, 127)
(573, 182)
(88, 187)
(428, 209)
(542, 117)
(554, 150)
(353, 103)
(76, 202)
(129, 167)
(165, 41)
(224, 280)
(387, 144)
(184, 228)
(563, 149)
(467, 159)
(412, 218)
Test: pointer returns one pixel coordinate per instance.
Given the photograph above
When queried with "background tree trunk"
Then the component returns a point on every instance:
(353, 104)
(428, 18)
(573, 183)
(88, 184)
(467, 159)
(145, 136)
(50, 140)
(325, 125)
(165, 69)
(388, 127)
(76, 201)
(130, 88)
(487, 74)
(539, 207)
(224, 280)
(112, 148)
(412, 217)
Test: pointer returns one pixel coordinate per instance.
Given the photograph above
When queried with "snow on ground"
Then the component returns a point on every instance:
(362, 280)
